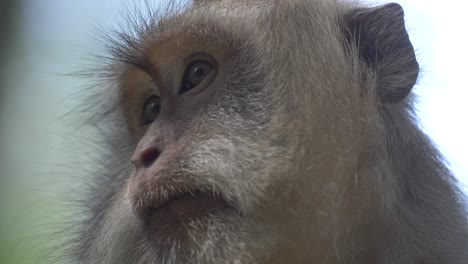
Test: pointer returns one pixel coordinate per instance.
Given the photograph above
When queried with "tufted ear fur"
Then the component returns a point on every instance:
(380, 37)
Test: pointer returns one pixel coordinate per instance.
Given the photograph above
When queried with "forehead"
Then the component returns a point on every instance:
(223, 23)
(182, 30)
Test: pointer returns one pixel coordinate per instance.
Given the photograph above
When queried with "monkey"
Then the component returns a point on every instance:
(259, 131)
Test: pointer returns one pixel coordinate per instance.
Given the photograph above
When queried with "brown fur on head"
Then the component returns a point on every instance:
(304, 141)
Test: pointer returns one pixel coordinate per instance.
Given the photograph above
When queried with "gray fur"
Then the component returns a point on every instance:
(322, 167)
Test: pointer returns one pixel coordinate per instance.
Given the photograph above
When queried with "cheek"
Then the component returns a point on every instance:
(120, 231)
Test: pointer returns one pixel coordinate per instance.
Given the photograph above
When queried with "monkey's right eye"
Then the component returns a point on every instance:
(151, 109)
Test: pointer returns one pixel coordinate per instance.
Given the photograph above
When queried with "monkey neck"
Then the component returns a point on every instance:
(388, 214)
(419, 194)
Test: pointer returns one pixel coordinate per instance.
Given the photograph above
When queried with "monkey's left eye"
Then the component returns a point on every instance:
(151, 109)
(195, 74)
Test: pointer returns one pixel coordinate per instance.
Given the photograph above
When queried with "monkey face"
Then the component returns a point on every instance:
(248, 133)
(184, 133)
(203, 150)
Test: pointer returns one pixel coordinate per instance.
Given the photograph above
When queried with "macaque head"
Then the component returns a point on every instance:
(249, 132)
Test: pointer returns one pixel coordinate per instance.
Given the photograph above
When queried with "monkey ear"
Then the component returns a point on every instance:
(380, 37)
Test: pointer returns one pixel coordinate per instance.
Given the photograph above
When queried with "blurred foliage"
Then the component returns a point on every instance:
(27, 210)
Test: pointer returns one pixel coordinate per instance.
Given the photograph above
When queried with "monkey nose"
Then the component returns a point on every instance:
(146, 157)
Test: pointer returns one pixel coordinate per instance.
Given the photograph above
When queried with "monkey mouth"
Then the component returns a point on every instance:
(192, 204)
(177, 204)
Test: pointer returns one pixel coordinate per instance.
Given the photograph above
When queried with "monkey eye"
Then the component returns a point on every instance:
(194, 75)
(151, 109)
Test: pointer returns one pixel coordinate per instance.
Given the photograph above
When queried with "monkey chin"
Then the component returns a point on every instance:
(185, 214)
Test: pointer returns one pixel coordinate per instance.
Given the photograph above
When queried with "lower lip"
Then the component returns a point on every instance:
(175, 218)
(196, 205)
(188, 207)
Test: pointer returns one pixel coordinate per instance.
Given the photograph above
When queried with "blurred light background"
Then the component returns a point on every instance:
(42, 40)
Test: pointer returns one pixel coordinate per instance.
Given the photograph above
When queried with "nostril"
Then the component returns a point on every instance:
(149, 156)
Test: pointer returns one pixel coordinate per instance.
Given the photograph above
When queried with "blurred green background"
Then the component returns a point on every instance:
(41, 41)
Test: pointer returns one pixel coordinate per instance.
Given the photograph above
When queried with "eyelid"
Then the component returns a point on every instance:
(198, 56)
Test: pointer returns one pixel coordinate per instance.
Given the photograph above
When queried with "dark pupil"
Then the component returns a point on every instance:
(199, 71)
(154, 107)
